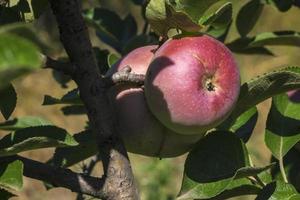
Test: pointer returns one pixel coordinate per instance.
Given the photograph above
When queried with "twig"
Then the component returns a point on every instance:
(74, 36)
(61, 177)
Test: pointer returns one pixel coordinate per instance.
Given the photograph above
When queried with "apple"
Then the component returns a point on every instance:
(294, 95)
(192, 84)
(141, 131)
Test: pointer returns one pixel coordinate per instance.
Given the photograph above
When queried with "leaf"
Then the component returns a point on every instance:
(68, 156)
(283, 126)
(74, 110)
(110, 28)
(102, 60)
(242, 46)
(9, 15)
(71, 97)
(28, 31)
(38, 7)
(112, 59)
(247, 16)
(35, 138)
(213, 165)
(291, 166)
(23, 122)
(8, 100)
(23, 6)
(282, 5)
(139, 41)
(187, 15)
(264, 87)
(242, 126)
(290, 38)
(5, 195)
(277, 191)
(11, 175)
(17, 57)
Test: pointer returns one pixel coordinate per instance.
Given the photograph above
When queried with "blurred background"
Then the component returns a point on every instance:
(158, 179)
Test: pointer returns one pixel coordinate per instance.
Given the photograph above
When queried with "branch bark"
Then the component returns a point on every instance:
(61, 177)
(119, 180)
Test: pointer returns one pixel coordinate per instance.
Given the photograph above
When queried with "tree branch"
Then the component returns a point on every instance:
(61, 177)
(119, 179)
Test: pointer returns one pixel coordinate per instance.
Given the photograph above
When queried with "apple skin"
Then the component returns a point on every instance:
(294, 95)
(141, 131)
(192, 84)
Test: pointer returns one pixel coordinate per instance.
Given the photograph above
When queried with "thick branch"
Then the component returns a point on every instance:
(61, 177)
(92, 87)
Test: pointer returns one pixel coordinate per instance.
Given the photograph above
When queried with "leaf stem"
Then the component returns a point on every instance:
(281, 166)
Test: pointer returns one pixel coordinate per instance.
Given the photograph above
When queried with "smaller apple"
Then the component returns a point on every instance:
(294, 95)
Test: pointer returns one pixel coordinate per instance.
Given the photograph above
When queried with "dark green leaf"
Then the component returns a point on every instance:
(247, 16)
(9, 15)
(242, 46)
(8, 100)
(17, 57)
(243, 126)
(74, 110)
(68, 156)
(283, 125)
(72, 97)
(23, 122)
(290, 38)
(5, 195)
(11, 175)
(209, 172)
(38, 7)
(277, 191)
(291, 166)
(282, 5)
(34, 138)
(139, 41)
(138, 2)
(264, 87)
(102, 60)
(23, 6)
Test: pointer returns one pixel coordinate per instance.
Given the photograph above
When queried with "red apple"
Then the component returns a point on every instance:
(140, 130)
(294, 95)
(192, 84)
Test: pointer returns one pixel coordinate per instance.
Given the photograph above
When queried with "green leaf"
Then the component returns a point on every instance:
(247, 16)
(291, 166)
(5, 195)
(29, 32)
(68, 156)
(104, 21)
(208, 172)
(9, 15)
(23, 122)
(38, 7)
(74, 110)
(283, 126)
(242, 46)
(290, 38)
(72, 97)
(112, 59)
(35, 138)
(11, 175)
(17, 57)
(23, 6)
(281, 5)
(264, 87)
(242, 126)
(278, 191)
(187, 15)
(8, 100)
